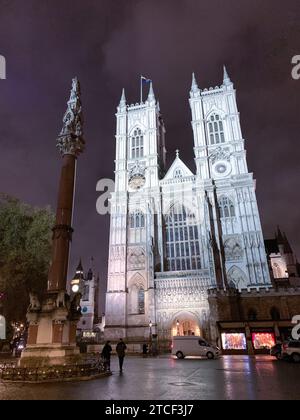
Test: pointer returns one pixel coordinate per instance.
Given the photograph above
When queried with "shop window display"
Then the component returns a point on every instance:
(263, 341)
(234, 341)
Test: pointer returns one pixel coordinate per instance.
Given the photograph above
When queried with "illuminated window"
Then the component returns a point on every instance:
(226, 207)
(263, 341)
(137, 220)
(182, 240)
(137, 144)
(234, 341)
(216, 129)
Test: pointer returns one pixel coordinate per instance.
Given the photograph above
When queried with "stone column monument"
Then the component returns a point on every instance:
(53, 321)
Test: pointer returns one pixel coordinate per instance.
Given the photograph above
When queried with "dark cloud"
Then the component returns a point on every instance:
(108, 44)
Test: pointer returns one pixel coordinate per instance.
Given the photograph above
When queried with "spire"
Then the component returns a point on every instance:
(79, 267)
(194, 87)
(287, 245)
(279, 236)
(123, 98)
(70, 140)
(158, 107)
(226, 78)
(151, 96)
(195, 91)
(177, 153)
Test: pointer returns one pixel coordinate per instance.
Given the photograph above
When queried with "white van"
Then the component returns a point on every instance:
(193, 346)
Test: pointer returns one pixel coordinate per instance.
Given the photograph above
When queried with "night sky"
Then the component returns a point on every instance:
(108, 44)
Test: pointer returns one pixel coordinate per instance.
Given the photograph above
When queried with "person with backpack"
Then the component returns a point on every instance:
(106, 354)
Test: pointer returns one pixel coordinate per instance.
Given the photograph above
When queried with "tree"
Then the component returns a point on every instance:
(25, 253)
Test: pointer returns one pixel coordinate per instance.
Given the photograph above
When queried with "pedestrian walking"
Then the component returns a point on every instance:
(121, 348)
(106, 354)
(145, 350)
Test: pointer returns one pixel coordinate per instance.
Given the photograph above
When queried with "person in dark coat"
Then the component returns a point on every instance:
(145, 350)
(106, 354)
(121, 348)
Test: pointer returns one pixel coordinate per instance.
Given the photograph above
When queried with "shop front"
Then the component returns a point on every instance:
(251, 337)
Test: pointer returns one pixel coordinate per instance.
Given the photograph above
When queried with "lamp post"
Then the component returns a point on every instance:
(177, 324)
(150, 337)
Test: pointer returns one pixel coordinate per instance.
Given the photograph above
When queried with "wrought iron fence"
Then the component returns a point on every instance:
(10, 372)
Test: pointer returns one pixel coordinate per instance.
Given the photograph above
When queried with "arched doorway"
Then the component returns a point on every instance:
(186, 324)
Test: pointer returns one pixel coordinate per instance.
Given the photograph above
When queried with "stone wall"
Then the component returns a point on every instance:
(236, 306)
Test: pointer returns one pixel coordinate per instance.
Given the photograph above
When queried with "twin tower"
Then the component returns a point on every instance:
(176, 233)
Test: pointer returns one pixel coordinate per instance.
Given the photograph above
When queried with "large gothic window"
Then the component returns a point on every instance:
(226, 207)
(216, 129)
(137, 144)
(137, 220)
(182, 240)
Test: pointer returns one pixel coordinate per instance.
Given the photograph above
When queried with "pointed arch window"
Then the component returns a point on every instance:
(141, 301)
(216, 129)
(137, 144)
(226, 207)
(182, 240)
(137, 220)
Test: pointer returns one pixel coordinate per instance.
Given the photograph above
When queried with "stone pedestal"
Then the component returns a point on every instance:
(52, 332)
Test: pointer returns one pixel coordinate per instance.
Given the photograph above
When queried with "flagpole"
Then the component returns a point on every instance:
(141, 89)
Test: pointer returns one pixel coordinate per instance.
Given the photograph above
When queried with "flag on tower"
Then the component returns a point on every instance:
(145, 80)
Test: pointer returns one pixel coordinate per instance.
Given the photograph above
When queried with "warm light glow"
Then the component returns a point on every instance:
(263, 341)
(235, 341)
(75, 288)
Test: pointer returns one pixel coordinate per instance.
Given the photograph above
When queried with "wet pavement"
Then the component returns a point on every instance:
(230, 377)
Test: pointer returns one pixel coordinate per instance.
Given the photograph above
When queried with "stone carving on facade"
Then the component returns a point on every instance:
(137, 170)
(236, 278)
(220, 154)
(70, 140)
(233, 249)
(35, 304)
(136, 259)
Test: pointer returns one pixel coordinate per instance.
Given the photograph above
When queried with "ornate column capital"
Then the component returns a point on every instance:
(70, 140)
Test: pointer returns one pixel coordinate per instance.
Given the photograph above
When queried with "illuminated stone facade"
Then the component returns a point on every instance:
(175, 233)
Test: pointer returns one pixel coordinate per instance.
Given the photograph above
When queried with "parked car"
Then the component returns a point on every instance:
(193, 346)
(276, 351)
(291, 350)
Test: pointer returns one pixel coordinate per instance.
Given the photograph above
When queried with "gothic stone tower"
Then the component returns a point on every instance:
(176, 234)
(222, 170)
(140, 164)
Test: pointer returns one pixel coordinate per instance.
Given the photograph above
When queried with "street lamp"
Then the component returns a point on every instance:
(177, 324)
(150, 337)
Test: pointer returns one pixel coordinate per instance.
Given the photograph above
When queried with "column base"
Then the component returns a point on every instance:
(50, 355)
